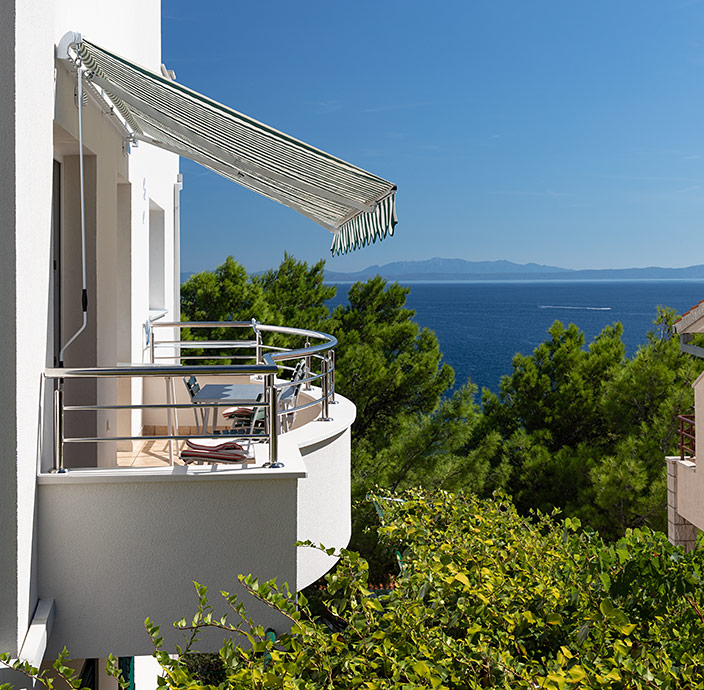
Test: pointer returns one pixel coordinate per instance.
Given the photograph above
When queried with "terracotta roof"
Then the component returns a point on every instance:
(689, 317)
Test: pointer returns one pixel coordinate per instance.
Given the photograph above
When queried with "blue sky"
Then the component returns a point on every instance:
(564, 133)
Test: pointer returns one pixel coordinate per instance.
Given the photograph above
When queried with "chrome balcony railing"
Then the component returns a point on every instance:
(265, 361)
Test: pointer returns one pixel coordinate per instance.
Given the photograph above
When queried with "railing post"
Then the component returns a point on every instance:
(258, 339)
(58, 427)
(170, 416)
(273, 399)
(150, 337)
(306, 371)
(332, 378)
(325, 413)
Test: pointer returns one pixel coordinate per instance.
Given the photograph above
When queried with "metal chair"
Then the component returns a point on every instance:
(289, 395)
(200, 412)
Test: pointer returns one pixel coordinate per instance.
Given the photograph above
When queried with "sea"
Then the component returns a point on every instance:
(481, 324)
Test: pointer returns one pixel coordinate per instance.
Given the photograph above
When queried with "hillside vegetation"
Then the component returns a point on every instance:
(576, 426)
(525, 524)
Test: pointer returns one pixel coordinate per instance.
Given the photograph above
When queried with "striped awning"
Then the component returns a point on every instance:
(356, 206)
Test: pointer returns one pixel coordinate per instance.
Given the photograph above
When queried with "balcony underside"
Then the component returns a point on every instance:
(118, 545)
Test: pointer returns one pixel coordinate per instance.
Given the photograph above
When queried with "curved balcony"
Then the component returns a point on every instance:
(125, 525)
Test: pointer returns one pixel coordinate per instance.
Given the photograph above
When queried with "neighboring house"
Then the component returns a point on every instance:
(89, 272)
(685, 486)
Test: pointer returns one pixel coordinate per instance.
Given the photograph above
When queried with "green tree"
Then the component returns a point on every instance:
(586, 430)
(225, 294)
(555, 391)
(430, 450)
(297, 294)
(387, 364)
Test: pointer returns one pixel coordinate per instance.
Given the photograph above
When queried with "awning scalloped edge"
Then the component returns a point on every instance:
(366, 228)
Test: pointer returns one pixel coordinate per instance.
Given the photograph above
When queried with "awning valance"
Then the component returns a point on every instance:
(355, 205)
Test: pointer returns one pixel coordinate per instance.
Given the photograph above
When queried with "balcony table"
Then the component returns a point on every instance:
(217, 394)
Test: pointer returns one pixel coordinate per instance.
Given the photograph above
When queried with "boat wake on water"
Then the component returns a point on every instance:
(558, 306)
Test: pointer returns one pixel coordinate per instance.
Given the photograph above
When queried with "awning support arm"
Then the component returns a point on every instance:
(84, 283)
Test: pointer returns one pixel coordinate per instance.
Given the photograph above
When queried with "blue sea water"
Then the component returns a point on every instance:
(481, 325)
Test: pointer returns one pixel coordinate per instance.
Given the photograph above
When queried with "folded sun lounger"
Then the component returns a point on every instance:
(215, 451)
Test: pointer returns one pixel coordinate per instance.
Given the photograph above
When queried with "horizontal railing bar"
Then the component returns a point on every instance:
(313, 355)
(310, 351)
(309, 379)
(286, 383)
(289, 330)
(190, 406)
(206, 357)
(298, 408)
(202, 324)
(312, 403)
(292, 330)
(160, 370)
(166, 406)
(223, 344)
(181, 437)
(208, 343)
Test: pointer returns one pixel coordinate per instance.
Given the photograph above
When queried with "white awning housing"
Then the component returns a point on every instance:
(356, 206)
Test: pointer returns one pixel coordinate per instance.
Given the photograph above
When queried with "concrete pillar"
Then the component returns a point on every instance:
(680, 532)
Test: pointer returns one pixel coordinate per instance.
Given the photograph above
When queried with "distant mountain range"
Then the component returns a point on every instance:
(458, 269)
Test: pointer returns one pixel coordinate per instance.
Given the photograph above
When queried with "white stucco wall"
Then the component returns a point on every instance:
(324, 504)
(114, 551)
(8, 345)
(131, 28)
(29, 82)
(324, 507)
(32, 143)
(690, 482)
(698, 386)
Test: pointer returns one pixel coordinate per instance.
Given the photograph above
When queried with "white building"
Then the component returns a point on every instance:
(89, 552)
(685, 485)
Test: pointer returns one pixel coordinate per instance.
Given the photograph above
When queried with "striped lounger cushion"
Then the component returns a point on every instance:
(215, 451)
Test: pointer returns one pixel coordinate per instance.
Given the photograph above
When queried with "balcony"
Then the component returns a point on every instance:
(687, 436)
(125, 525)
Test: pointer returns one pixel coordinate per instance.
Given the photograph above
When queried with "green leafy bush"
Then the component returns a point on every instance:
(487, 598)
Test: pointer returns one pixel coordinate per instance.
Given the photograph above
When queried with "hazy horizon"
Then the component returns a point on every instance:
(397, 261)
